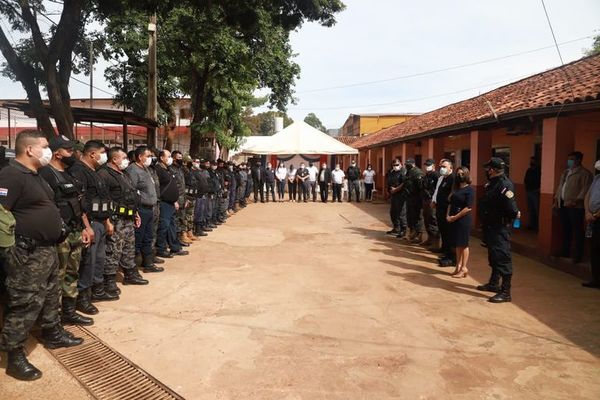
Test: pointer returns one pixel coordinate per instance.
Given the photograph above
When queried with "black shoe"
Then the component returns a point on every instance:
(200, 233)
(180, 253)
(401, 234)
(110, 285)
(133, 277)
(55, 337)
(99, 294)
(152, 268)
(20, 368)
(392, 232)
(446, 262)
(70, 317)
(157, 260)
(183, 244)
(591, 284)
(84, 302)
(206, 229)
(163, 254)
(488, 287)
(502, 297)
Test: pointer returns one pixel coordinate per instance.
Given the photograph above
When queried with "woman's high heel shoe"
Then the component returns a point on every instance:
(463, 273)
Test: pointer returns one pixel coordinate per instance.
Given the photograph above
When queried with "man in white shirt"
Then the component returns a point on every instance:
(312, 180)
(337, 176)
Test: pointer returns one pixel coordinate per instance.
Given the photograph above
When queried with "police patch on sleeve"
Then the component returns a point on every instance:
(509, 194)
(3, 192)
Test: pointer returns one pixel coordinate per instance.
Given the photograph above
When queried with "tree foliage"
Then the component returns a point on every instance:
(315, 122)
(595, 49)
(263, 124)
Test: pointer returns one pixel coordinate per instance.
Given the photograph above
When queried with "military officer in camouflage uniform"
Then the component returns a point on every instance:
(191, 192)
(412, 193)
(120, 245)
(67, 196)
(32, 280)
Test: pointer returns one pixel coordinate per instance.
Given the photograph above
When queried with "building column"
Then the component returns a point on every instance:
(386, 151)
(408, 151)
(481, 152)
(558, 142)
(434, 149)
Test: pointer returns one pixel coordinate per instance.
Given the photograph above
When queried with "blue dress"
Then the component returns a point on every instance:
(461, 228)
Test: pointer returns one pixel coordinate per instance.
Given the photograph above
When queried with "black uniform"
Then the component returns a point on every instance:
(258, 179)
(497, 209)
(429, 183)
(302, 183)
(412, 192)
(270, 182)
(397, 208)
(442, 202)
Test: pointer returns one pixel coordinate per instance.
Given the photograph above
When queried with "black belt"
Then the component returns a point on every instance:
(147, 207)
(30, 244)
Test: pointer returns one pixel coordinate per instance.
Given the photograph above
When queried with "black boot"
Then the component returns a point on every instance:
(493, 285)
(99, 294)
(133, 277)
(110, 285)
(198, 231)
(84, 302)
(206, 228)
(56, 337)
(20, 368)
(504, 295)
(70, 317)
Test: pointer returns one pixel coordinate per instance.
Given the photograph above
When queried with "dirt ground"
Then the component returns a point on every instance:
(313, 301)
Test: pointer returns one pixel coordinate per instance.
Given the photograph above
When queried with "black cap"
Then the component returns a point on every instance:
(410, 161)
(61, 142)
(213, 162)
(495, 163)
(220, 160)
(429, 161)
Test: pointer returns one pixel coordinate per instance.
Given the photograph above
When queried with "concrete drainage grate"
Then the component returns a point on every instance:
(106, 374)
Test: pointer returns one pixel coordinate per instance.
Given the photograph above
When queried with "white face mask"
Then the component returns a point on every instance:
(103, 159)
(124, 164)
(397, 168)
(148, 162)
(324, 166)
(196, 165)
(337, 168)
(597, 165)
(429, 168)
(443, 171)
(46, 157)
(169, 161)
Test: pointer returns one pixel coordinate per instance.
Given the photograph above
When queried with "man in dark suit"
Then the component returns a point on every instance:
(258, 180)
(324, 179)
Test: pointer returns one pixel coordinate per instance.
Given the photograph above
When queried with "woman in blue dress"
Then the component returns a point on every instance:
(460, 219)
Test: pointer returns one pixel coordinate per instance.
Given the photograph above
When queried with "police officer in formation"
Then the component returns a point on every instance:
(497, 210)
(68, 194)
(411, 191)
(395, 181)
(32, 266)
(429, 218)
(353, 175)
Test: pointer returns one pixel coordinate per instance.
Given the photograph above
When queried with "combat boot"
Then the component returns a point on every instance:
(191, 236)
(184, 239)
(110, 285)
(199, 232)
(55, 337)
(493, 285)
(99, 294)
(504, 295)
(20, 368)
(417, 238)
(133, 277)
(70, 317)
(84, 302)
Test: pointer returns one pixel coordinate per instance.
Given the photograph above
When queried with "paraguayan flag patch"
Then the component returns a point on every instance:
(3, 192)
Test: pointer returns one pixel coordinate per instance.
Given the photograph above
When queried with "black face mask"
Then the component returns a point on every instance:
(69, 161)
(409, 167)
(154, 160)
(488, 174)
(461, 178)
(179, 162)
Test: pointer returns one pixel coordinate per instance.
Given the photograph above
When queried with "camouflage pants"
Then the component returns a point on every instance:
(69, 258)
(189, 215)
(33, 291)
(180, 216)
(120, 247)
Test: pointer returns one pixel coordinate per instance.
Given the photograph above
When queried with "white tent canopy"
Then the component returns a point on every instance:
(299, 138)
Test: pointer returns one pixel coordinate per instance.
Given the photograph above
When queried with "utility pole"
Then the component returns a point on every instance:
(9, 140)
(91, 86)
(152, 82)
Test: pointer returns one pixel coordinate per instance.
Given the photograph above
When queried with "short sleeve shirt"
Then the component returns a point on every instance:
(31, 200)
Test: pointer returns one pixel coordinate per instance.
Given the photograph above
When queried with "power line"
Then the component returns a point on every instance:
(413, 99)
(445, 69)
(95, 87)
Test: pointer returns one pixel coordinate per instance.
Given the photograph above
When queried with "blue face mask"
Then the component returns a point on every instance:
(570, 163)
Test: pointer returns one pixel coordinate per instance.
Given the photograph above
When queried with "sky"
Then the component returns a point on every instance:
(394, 40)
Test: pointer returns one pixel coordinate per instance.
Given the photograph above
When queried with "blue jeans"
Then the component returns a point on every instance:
(200, 211)
(167, 229)
(144, 234)
(91, 269)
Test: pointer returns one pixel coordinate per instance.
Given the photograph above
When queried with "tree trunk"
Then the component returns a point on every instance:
(198, 110)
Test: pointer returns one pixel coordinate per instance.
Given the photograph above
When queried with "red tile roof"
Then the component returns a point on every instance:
(540, 91)
(348, 140)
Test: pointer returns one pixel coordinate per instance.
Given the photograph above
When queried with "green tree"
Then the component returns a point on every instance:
(315, 122)
(595, 47)
(263, 124)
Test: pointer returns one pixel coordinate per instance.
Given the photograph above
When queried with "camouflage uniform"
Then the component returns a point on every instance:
(120, 247)
(69, 258)
(31, 294)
